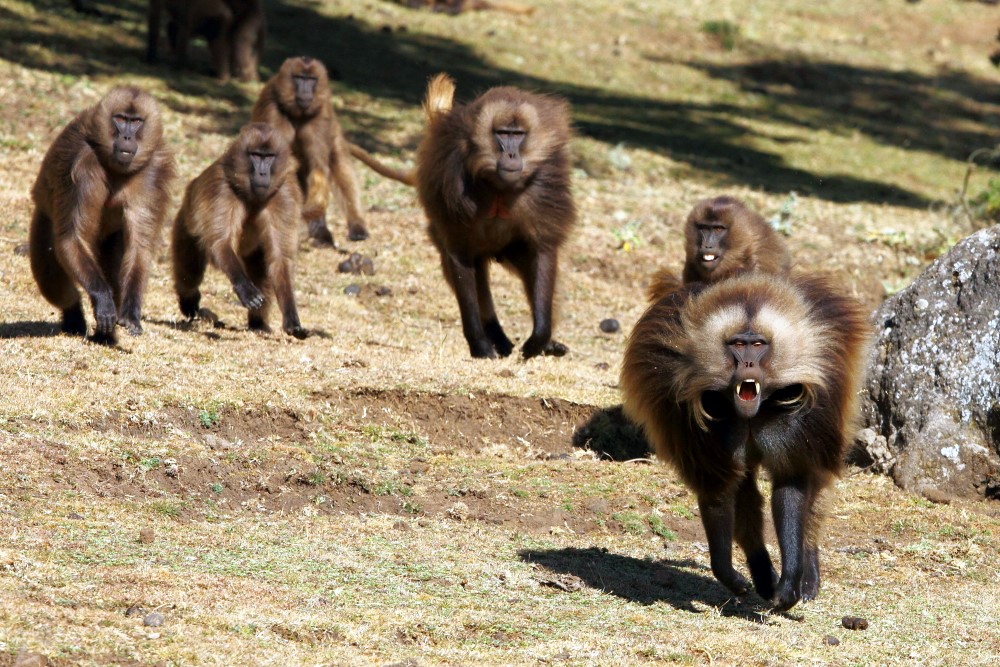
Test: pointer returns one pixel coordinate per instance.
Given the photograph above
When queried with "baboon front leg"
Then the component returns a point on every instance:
(487, 310)
(54, 282)
(249, 294)
(790, 507)
(718, 515)
(314, 211)
(347, 184)
(750, 536)
(284, 294)
(461, 275)
(537, 269)
(257, 273)
(189, 262)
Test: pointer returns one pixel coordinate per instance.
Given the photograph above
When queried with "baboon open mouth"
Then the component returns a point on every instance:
(748, 390)
(709, 257)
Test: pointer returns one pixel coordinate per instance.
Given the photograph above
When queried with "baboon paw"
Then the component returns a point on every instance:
(482, 349)
(551, 348)
(785, 598)
(132, 326)
(555, 349)
(504, 347)
(320, 235)
(297, 331)
(356, 231)
(251, 297)
(189, 305)
(736, 582)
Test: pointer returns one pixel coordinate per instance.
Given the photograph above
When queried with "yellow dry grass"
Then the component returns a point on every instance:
(382, 552)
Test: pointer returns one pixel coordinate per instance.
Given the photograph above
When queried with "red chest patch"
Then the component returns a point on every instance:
(498, 209)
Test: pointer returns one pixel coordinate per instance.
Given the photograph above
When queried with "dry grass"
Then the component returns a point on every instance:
(370, 495)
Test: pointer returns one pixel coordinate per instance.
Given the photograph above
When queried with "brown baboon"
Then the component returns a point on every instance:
(756, 371)
(493, 179)
(723, 237)
(459, 6)
(100, 200)
(296, 101)
(234, 30)
(241, 215)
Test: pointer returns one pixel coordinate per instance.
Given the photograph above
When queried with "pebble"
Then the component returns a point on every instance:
(153, 619)
(610, 325)
(854, 623)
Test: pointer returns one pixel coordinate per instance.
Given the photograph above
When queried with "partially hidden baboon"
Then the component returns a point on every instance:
(296, 101)
(100, 201)
(233, 29)
(241, 214)
(756, 371)
(458, 6)
(493, 177)
(723, 237)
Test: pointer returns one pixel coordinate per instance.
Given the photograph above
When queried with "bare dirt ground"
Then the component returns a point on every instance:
(372, 496)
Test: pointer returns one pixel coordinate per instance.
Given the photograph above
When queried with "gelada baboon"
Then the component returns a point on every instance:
(296, 101)
(493, 179)
(723, 237)
(459, 6)
(241, 214)
(756, 371)
(100, 201)
(233, 29)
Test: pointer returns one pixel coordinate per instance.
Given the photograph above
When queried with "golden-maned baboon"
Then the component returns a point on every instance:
(233, 29)
(493, 177)
(100, 201)
(755, 371)
(241, 214)
(296, 101)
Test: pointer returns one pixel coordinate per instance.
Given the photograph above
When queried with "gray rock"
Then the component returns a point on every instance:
(932, 402)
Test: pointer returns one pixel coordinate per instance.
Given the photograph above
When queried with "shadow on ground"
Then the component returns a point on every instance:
(679, 583)
(945, 113)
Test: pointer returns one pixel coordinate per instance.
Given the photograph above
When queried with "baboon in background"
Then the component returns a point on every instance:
(234, 30)
(100, 200)
(723, 237)
(459, 6)
(493, 179)
(241, 214)
(758, 370)
(296, 102)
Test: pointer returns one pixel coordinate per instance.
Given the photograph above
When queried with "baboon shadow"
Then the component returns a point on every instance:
(613, 436)
(649, 582)
(35, 329)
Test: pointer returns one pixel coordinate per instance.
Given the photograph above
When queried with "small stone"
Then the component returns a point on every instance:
(610, 325)
(352, 290)
(154, 619)
(854, 623)
(357, 264)
(21, 249)
(602, 365)
(383, 290)
(74, 516)
(135, 610)
(830, 640)
(146, 536)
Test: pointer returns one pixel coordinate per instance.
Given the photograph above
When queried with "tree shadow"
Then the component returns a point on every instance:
(945, 114)
(679, 583)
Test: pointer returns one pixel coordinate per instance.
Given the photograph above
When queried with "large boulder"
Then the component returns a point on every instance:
(932, 403)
